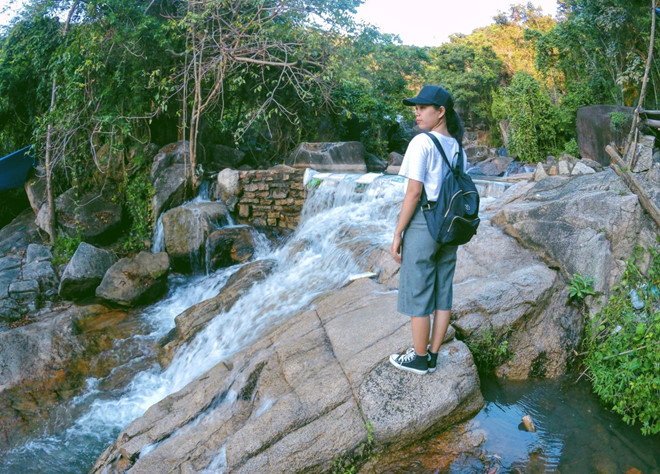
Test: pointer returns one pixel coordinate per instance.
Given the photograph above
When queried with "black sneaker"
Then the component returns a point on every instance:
(410, 361)
(432, 358)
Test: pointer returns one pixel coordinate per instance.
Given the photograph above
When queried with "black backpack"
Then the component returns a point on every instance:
(453, 219)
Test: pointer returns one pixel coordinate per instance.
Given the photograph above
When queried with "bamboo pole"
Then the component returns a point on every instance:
(634, 132)
(645, 200)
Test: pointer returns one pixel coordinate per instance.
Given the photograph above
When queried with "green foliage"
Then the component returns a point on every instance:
(138, 193)
(471, 72)
(620, 121)
(623, 346)
(571, 147)
(489, 350)
(581, 287)
(601, 44)
(64, 248)
(533, 118)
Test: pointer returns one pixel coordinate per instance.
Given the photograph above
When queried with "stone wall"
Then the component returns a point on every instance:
(271, 198)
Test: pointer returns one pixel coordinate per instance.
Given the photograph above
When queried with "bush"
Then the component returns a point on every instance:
(623, 347)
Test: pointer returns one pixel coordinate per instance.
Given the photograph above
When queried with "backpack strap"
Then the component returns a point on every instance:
(424, 198)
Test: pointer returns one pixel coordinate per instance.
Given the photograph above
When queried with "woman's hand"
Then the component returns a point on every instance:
(396, 247)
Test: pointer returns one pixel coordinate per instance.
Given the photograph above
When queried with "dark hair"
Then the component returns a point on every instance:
(454, 123)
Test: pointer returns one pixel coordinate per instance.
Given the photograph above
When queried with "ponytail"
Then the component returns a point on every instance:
(454, 125)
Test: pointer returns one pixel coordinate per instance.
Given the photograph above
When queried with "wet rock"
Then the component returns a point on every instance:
(230, 245)
(262, 410)
(229, 185)
(133, 281)
(186, 229)
(374, 164)
(168, 176)
(85, 271)
(336, 157)
(192, 320)
(36, 350)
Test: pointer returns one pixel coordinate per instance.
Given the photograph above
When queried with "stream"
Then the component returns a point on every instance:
(342, 213)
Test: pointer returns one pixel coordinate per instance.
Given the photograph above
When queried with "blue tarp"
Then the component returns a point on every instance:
(14, 168)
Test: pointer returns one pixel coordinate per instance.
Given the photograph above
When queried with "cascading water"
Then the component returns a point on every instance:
(344, 217)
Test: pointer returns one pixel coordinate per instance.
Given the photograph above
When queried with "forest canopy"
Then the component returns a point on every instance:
(264, 75)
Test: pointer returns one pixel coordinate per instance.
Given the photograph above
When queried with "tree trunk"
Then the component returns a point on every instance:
(50, 226)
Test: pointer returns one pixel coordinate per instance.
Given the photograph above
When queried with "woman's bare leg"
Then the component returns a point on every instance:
(420, 333)
(440, 324)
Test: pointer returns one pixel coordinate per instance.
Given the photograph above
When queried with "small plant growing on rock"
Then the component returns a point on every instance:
(489, 350)
(581, 287)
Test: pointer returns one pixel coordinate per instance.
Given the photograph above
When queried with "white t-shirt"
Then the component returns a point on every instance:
(423, 161)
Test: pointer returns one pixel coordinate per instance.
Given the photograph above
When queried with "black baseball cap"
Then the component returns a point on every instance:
(432, 95)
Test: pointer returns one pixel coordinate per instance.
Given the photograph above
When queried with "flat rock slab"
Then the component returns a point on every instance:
(303, 396)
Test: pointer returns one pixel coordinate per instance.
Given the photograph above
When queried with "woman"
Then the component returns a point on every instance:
(427, 269)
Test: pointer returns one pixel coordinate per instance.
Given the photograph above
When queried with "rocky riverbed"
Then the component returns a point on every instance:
(307, 384)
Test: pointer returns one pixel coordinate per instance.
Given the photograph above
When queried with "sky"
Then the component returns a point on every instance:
(417, 22)
(430, 22)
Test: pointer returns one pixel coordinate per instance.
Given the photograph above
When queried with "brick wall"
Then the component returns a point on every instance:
(271, 198)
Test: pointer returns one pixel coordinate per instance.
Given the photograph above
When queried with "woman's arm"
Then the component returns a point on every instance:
(410, 201)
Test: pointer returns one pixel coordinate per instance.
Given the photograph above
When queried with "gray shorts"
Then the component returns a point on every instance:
(425, 285)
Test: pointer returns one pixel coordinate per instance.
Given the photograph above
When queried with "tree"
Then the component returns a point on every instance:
(532, 117)
(471, 73)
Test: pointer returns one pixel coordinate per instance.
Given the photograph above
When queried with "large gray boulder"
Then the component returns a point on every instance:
(587, 224)
(335, 157)
(85, 271)
(94, 216)
(133, 281)
(38, 350)
(595, 130)
(168, 172)
(186, 229)
(313, 390)
(230, 245)
(195, 318)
